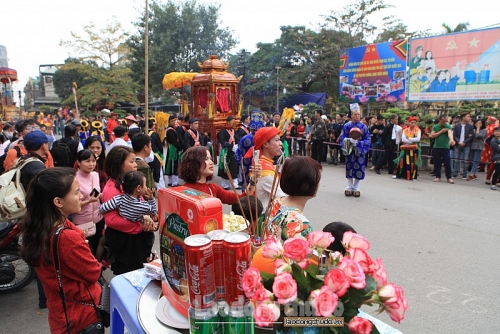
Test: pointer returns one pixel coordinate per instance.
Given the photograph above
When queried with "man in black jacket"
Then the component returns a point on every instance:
(192, 136)
(173, 138)
(391, 138)
(463, 135)
(36, 143)
(228, 148)
(318, 136)
(155, 161)
(377, 145)
(61, 158)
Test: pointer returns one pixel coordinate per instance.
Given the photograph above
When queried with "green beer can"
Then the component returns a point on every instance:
(239, 320)
(204, 321)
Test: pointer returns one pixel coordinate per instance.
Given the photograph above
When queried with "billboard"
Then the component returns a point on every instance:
(373, 73)
(453, 67)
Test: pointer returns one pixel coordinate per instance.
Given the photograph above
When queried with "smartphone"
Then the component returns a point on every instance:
(94, 193)
(256, 155)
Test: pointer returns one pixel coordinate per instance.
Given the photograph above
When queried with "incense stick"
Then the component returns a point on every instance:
(257, 213)
(243, 172)
(230, 178)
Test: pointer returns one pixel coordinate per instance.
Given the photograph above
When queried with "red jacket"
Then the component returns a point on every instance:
(79, 271)
(113, 218)
(225, 196)
(110, 127)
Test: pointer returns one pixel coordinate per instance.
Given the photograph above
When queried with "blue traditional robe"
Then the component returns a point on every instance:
(355, 157)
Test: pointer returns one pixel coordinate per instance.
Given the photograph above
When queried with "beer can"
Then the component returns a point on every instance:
(217, 237)
(237, 259)
(200, 271)
(239, 320)
(204, 321)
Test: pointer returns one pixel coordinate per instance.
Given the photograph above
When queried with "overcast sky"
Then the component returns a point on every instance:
(32, 29)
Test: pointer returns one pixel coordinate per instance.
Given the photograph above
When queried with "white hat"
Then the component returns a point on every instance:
(323, 116)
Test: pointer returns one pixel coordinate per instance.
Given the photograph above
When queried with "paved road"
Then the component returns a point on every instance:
(438, 241)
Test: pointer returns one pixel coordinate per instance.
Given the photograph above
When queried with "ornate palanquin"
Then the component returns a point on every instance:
(214, 96)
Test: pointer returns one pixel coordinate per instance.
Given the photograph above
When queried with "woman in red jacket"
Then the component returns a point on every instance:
(301, 134)
(130, 242)
(197, 168)
(53, 195)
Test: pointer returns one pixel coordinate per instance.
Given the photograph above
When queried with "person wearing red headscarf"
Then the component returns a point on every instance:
(486, 155)
(267, 141)
(409, 158)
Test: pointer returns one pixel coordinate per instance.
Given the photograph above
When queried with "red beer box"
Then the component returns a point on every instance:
(182, 212)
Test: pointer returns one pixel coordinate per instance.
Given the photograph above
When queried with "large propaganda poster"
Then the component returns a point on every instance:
(461, 66)
(373, 73)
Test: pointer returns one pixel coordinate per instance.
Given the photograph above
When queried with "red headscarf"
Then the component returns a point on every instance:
(261, 137)
(413, 118)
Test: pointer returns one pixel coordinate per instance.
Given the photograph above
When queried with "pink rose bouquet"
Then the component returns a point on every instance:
(335, 285)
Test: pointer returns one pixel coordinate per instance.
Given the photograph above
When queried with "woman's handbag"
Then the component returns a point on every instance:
(408, 147)
(105, 298)
(88, 229)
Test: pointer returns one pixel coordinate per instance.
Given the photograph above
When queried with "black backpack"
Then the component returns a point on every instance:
(62, 155)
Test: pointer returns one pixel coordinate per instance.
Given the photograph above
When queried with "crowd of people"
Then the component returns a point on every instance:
(98, 192)
(461, 143)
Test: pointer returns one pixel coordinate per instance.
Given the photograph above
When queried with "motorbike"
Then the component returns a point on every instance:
(15, 273)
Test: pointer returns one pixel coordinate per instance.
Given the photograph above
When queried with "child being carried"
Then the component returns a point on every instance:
(129, 204)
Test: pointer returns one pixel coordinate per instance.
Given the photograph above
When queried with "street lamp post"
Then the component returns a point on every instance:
(277, 88)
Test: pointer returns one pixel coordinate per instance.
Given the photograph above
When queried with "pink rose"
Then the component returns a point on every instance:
(377, 271)
(262, 294)
(359, 325)
(336, 280)
(273, 248)
(281, 266)
(320, 239)
(303, 264)
(354, 240)
(296, 249)
(324, 301)
(285, 288)
(360, 256)
(335, 257)
(265, 314)
(251, 281)
(393, 298)
(353, 272)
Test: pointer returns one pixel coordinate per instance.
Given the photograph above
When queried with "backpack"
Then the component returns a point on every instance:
(12, 194)
(2, 158)
(62, 155)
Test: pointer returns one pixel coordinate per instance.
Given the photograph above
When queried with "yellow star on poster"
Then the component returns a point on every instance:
(474, 42)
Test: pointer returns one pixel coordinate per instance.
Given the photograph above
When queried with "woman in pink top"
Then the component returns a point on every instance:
(130, 242)
(89, 180)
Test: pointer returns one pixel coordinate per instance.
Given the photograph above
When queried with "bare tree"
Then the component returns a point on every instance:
(105, 46)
